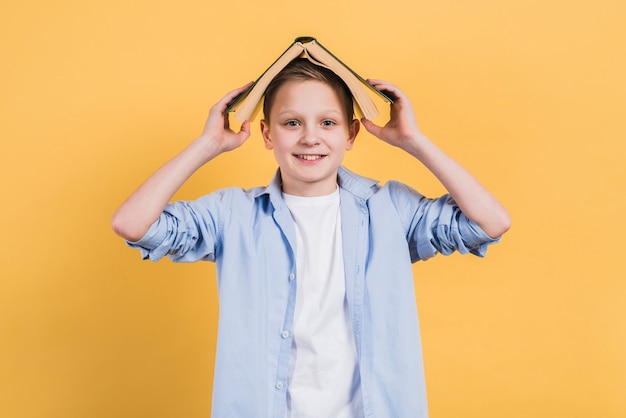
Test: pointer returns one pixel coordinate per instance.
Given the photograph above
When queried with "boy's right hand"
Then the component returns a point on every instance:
(217, 127)
(134, 217)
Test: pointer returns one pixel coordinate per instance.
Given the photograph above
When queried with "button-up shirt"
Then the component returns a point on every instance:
(251, 236)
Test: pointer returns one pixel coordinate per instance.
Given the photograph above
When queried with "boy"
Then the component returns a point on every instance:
(317, 305)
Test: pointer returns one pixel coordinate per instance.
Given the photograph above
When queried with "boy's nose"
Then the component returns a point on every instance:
(309, 137)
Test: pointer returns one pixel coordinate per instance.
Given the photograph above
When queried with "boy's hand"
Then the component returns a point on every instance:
(217, 127)
(133, 218)
(402, 127)
(401, 131)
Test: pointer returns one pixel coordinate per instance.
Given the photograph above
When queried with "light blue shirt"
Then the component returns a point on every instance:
(251, 237)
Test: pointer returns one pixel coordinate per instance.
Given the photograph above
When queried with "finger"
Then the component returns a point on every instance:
(374, 81)
(230, 96)
(245, 127)
(390, 89)
(244, 132)
(371, 127)
(381, 83)
(239, 90)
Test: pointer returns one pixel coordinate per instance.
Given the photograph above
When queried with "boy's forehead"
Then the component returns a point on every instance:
(302, 84)
(307, 89)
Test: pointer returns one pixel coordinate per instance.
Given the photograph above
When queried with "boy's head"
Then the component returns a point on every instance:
(301, 69)
(309, 126)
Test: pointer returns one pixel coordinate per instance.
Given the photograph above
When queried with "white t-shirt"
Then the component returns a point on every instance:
(324, 378)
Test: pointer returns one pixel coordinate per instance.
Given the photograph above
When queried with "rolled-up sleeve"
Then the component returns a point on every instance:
(186, 231)
(437, 225)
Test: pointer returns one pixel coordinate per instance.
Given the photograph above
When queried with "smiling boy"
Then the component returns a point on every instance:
(309, 132)
(317, 305)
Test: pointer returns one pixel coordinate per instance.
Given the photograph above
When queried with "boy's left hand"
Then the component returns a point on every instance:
(402, 127)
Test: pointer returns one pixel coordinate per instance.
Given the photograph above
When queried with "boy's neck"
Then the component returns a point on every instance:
(335, 191)
(313, 190)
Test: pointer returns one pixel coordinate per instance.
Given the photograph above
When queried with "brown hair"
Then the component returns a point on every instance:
(301, 69)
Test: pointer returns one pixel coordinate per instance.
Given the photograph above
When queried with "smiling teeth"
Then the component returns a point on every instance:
(310, 157)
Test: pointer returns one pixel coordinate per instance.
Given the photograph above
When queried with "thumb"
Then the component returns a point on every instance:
(371, 127)
(244, 132)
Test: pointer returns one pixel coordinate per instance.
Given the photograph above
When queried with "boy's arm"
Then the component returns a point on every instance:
(474, 200)
(133, 218)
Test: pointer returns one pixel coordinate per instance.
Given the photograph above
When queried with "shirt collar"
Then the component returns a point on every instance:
(359, 186)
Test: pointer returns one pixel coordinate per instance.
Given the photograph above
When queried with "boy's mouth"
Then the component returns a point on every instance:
(309, 157)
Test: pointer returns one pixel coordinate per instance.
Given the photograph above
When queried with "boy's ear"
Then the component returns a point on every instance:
(265, 131)
(353, 131)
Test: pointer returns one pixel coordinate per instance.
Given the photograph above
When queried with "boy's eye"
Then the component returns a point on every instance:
(291, 123)
(328, 122)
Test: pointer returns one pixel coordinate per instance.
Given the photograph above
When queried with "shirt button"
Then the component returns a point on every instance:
(279, 385)
(292, 276)
(284, 334)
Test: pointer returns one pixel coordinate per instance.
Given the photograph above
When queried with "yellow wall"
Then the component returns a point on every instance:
(529, 95)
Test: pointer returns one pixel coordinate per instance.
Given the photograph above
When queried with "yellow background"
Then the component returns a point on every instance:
(94, 96)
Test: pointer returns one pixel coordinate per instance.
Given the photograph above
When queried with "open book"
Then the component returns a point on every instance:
(248, 103)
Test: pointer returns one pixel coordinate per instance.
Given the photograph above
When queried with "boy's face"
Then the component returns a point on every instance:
(309, 133)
